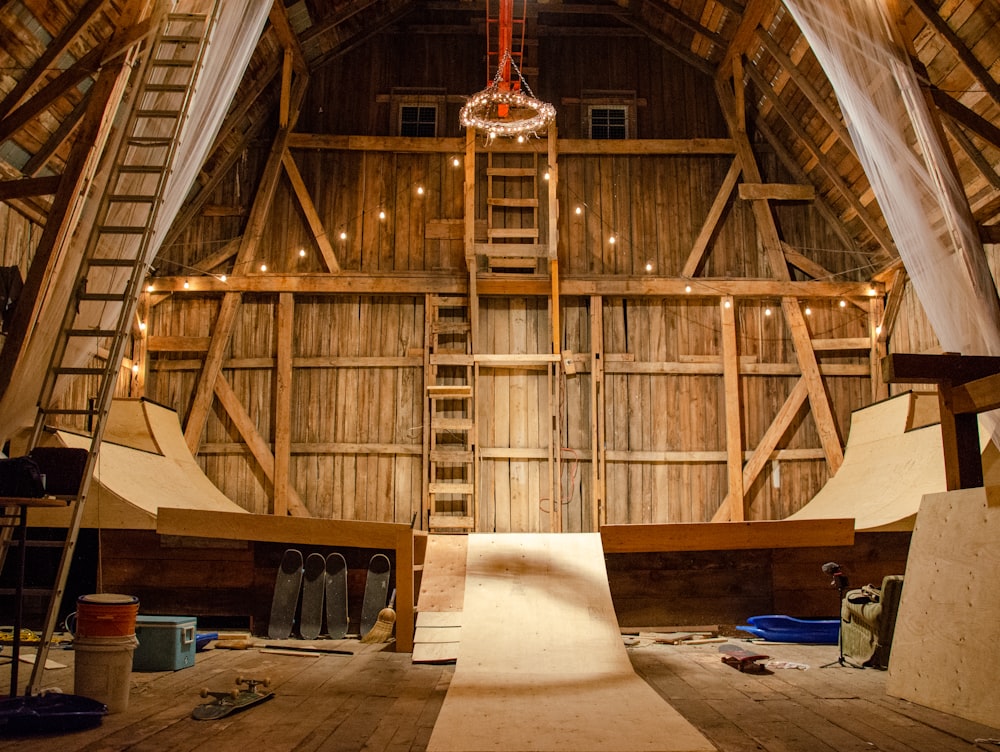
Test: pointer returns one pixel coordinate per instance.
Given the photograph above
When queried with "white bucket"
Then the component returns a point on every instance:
(103, 669)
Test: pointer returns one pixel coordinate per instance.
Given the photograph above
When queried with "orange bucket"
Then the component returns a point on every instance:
(106, 615)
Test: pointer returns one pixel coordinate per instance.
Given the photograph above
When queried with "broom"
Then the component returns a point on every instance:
(382, 630)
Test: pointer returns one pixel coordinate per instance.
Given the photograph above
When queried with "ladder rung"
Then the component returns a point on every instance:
(69, 411)
(78, 371)
(116, 262)
(109, 297)
(456, 327)
(518, 203)
(453, 301)
(132, 198)
(158, 114)
(513, 232)
(144, 169)
(179, 39)
(149, 141)
(511, 250)
(457, 489)
(122, 229)
(448, 521)
(91, 333)
(31, 543)
(511, 172)
(511, 264)
(451, 424)
(451, 456)
(166, 88)
(449, 390)
(451, 359)
(169, 62)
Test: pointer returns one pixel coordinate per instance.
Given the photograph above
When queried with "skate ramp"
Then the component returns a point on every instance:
(541, 663)
(144, 465)
(888, 467)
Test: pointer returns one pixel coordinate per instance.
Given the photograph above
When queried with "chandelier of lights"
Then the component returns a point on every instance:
(501, 111)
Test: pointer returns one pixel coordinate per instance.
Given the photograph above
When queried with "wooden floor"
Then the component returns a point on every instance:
(377, 700)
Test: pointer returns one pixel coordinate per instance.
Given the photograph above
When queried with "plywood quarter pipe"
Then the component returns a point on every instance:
(886, 471)
(541, 662)
(139, 471)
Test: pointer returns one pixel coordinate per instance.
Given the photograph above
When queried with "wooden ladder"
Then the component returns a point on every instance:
(512, 218)
(77, 390)
(451, 488)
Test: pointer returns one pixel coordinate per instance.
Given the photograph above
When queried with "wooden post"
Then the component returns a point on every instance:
(283, 403)
(734, 423)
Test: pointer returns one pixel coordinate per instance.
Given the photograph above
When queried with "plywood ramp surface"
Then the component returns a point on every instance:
(541, 664)
(886, 470)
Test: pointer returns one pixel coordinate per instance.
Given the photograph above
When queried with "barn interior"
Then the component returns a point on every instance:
(593, 317)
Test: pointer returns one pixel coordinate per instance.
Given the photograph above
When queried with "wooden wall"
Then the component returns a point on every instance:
(358, 382)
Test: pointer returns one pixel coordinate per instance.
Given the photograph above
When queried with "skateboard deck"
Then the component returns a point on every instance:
(336, 596)
(376, 592)
(313, 587)
(239, 698)
(286, 595)
(743, 660)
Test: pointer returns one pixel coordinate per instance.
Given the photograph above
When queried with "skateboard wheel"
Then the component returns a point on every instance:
(235, 694)
(204, 692)
(267, 682)
(239, 679)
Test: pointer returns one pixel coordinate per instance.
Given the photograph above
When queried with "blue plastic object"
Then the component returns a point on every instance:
(49, 713)
(779, 628)
(203, 638)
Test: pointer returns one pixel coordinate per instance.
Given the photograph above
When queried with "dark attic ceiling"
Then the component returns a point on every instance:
(51, 49)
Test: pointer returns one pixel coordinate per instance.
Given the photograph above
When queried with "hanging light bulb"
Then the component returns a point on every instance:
(263, 267)
(302, 252)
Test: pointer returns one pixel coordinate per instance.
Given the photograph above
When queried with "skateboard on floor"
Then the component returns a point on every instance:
(376, 592)
(336, 596)
(239, 698)
(286, 595)
(313, 587)
(742, 660)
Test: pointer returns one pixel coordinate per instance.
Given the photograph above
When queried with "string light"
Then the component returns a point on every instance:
(187, 284)
(579, 210)
(843, 304)
(263, 267)
(420, 190)
(649, 266)
(767, 311)
(687, 288)
(223, 277)
(343, 235)
(482, 113)
(727, 304)
(455, 162)
(611, 240)
(142, 326)
(302, 252)
(546, 175)
(135, 369)
(878, 329)
(871, 292)
(808, 311)
(381, 215)
(149, 287)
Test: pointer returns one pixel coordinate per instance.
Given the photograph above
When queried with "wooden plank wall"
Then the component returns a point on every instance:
(357, 386)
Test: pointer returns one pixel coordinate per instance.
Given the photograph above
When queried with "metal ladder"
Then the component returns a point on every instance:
(451, 490)
(113, 267)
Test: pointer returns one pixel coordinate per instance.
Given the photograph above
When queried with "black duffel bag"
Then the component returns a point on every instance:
(20, 478)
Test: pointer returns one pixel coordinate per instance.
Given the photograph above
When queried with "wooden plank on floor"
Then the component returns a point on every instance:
(442, 587)
(534, 604)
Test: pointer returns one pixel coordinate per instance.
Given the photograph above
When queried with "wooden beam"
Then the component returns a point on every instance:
(312, 216)
(958, 112)
(202, 401)
(415, 283)
(910, 368)
(53, 51)
(971, 62)
(10, 189)
(255, 442)
(734, 419)
(641, 24)
(283, 402)
(284, 98)
(726, 536)
(789, 409)
(278, 16)
(776, 192)
(893, 305)
(977, 396)
(40, 159)
(753, 14)
(817, 100)
(881, 237)
(700, 248)
(819, 400)
(406, 144)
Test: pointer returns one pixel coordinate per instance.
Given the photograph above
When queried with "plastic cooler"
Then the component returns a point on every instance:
(166, 643)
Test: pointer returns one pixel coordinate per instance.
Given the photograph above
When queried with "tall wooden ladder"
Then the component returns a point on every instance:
(512, 215)
(451, 489)
(77, 392)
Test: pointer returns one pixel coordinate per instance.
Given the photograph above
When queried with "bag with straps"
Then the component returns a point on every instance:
(21, 478)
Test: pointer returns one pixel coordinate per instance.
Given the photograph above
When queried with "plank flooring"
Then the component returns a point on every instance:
(377, 700)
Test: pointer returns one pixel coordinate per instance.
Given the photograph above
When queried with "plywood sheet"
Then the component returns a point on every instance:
(541, 664)
(944, 650)
(442, 587)
(886, 471)
(128, 425)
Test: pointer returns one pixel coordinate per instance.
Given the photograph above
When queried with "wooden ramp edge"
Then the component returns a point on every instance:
(541, 664)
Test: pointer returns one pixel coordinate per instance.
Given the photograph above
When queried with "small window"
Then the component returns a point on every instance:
(418, 120)
(608, 122)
